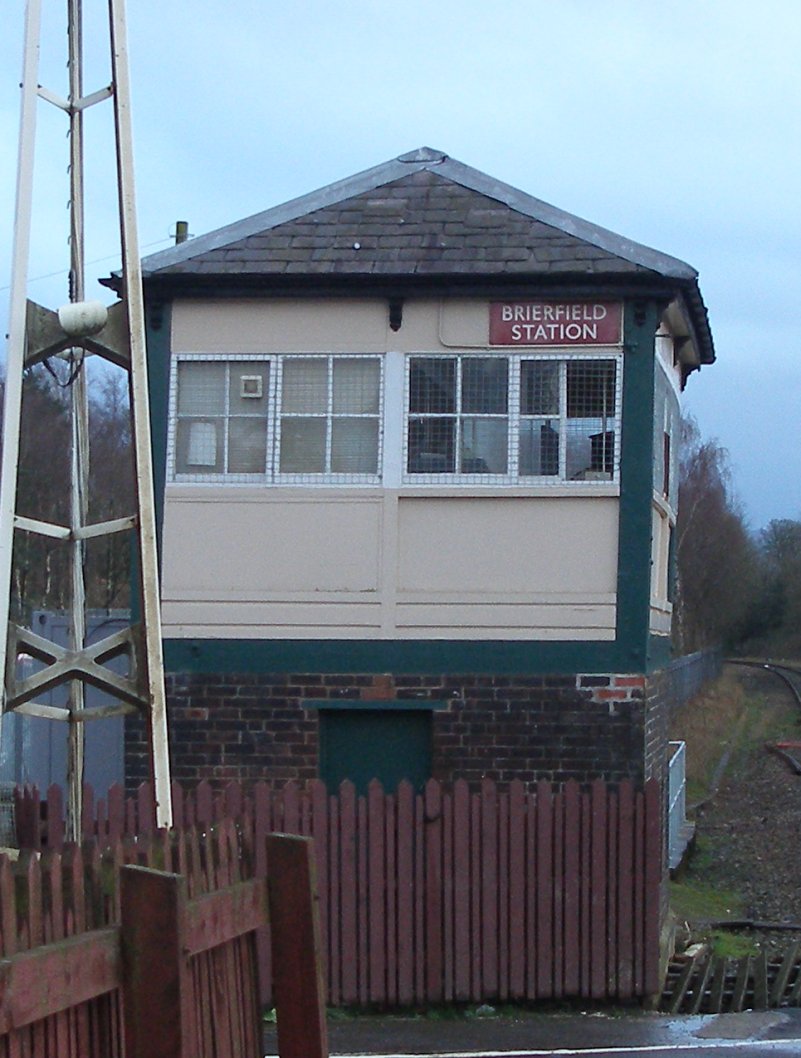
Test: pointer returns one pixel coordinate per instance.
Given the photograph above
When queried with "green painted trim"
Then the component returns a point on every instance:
(158, 335)
(660, 652)
(641, 319)
(396, 656)
(395, 704)
(157, 339)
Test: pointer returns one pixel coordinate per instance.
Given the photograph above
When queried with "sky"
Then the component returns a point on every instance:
(676, 123)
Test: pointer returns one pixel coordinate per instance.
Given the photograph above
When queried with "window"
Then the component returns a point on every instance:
(479, 418)
(329, 419)
(282, 419)
(512, 418)
(458, 415)
(221, 417)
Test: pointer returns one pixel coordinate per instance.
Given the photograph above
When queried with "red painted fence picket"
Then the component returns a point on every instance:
(449, 893)
(101, 955)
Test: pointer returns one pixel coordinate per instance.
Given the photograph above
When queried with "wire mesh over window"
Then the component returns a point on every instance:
(319, 418)
(458, 416)
(480, 418)
(512, 419)
(221, 420)
(330, 416)
(590, 427)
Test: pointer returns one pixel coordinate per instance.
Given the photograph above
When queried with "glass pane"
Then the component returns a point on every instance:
(356, 386)
(539, 387)
(539, 449)
(431, 446)
(247, 445)
(304, 385)
(302, 446)
(198, 446)
(432, 384)
(590, 451)
(249, 387)
(201, 387)
(590, 389)
(354, 446)
(483, 446)
(485, 384)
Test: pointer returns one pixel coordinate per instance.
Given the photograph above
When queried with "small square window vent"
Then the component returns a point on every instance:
(250, 386)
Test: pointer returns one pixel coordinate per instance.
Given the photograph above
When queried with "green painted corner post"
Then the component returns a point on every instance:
(636, 484)
(157, 993)
(298, 980)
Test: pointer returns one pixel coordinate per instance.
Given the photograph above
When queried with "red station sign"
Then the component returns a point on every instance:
(555, 323)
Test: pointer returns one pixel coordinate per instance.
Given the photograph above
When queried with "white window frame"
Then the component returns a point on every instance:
(393, 421)
(272, 475)
(327, 476)
(224, 476)
(514, 419)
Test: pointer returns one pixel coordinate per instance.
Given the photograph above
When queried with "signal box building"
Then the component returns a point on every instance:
(416, 442)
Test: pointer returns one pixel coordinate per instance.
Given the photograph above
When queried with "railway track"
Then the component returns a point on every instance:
(788, 674)
(788, 751)
(700, 983)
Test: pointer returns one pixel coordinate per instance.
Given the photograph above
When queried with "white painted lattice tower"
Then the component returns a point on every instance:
(78, 330)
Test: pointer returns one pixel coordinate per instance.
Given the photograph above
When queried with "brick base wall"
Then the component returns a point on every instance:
(255, 726)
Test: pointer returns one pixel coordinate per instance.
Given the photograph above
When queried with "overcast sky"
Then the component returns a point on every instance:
(674, 122)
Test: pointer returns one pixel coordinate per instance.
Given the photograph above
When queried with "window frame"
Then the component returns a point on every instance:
(272, 475)
(514, 418)
(226, 359)
(327, 476)
(393, 417)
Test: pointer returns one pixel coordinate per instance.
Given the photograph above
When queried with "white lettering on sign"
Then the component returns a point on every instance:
(558, 333)
(540, 311)
(544, 322)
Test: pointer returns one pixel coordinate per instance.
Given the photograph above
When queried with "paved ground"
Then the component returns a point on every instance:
(538, 1033)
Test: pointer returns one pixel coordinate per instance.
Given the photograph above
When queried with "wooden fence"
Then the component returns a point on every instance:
(451, 894)
(101, 955)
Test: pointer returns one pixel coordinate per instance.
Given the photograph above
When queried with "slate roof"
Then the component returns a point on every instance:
(423, 215)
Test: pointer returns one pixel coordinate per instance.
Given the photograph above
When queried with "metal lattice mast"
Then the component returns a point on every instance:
(76, 331)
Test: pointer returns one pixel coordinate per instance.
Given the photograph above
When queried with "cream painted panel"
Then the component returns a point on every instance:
(541, 545)
(532, 616)
(282, 325)
(429, 324)
(215, 630)
(286, 618)
(666, 356)
(321, 325)
(661, 620)
(279, 545)
(464, 324)
(597, 635)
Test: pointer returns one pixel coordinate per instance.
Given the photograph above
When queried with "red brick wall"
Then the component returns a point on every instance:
(255, 726)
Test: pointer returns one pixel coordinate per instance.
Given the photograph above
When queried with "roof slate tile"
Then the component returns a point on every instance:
(420, 220)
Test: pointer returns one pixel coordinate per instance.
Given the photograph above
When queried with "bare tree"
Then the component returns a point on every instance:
(111, 491)
(775, 626)
(40, 564)
(717, 560)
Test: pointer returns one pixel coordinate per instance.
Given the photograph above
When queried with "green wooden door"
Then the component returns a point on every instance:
(385, 744)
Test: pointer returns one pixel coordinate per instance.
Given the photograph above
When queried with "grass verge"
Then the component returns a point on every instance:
(719, 727)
